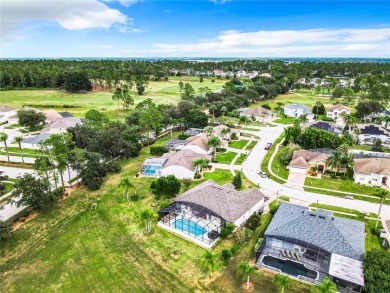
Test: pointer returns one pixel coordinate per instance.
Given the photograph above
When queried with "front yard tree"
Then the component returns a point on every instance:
(282, 282)
(334, 160)
(327, 286)
(237, 181)
(3, 138)
(245, 271)
(34, 192)
(214, 143)
(210, 262)
(30, 118)
(318, 108)
(19, 140)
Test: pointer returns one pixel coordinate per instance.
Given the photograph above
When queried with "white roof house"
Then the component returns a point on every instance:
(297, 110)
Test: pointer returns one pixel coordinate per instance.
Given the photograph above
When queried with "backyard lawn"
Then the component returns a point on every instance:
(225, 158)
(161, 92)
(71, 249)
(238, 144)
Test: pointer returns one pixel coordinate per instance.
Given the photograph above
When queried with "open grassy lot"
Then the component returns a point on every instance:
(225, 158)
(162, 92)
(238, 144)
(71, 249)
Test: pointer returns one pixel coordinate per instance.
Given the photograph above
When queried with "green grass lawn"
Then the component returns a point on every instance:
(238, 144)
(340, 185)
(340, 209)
(68, 248)
(220, 176)
(368, 148)
(161, 92)
(277, 165)
(8, 188)
(240, 159)
(251, 145)
(225, 158)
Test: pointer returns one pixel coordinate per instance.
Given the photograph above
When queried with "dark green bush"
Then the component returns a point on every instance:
(183, 136)
(158, 150)
(226, 255)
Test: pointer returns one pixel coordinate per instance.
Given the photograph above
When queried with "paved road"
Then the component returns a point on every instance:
(251, 167)
(17, 159)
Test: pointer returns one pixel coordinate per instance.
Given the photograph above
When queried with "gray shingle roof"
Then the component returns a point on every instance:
(228, 203)
(321, 228)
(36, 139)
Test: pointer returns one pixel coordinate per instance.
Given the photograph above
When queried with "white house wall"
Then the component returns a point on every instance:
(371, 179)
(249, 213)
(179, 171)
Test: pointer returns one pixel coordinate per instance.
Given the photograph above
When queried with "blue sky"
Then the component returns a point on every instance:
(203, 28)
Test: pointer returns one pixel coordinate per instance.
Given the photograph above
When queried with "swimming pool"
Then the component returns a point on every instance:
(193, 228)
(152, 170)
(289, 267)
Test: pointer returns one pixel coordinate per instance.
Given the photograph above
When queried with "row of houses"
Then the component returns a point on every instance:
(179, 161)
(297, 110)
(324, 83)
(373, 171)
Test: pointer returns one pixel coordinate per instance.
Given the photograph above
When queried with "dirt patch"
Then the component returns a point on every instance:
(70, 190)
(23, 220)
(249, 288)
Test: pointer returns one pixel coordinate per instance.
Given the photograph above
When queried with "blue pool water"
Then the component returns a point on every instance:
(152, 170)
(190, 226)
(289, 267)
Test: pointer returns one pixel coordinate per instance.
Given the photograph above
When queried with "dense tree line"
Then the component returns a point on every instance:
(109, 73)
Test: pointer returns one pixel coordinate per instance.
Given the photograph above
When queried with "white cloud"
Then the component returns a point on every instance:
(220, 2)
(312, 42)
(69, 14)
(125, 3)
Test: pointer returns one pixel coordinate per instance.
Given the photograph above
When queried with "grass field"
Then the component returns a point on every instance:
(162, 92)
(71, 249)
(240, 159)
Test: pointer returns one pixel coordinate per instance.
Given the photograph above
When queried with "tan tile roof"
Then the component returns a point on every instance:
(183, 158)
(218, 130)
(64, 123)
(372, 166)
(299, 162)
(52, 114)
(257, 112)
(200, 140)
(228, 203)
(338, 107)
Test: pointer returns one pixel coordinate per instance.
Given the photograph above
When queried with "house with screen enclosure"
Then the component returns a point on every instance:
(313, 245)
(200, 213)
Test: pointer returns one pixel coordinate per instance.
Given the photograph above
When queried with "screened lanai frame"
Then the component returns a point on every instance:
(314, 258)
(175, 209)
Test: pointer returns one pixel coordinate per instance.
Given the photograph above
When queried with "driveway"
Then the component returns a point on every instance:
(295, 180)
(251, 167)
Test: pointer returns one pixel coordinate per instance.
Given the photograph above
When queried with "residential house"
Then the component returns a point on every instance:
(6, 112)
(370, 133)
(372, 171)
(323, 125)
(336, 111)
(225, 136)
(200, 213)
(51, 115)
(297, 110)
(61, 125)
(180, 163)
(32, 142)
(197, 143)
(259, 113)
(302, 161)
(313, 245)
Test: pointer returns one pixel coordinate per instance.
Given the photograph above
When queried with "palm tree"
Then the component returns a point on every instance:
(282, 282)
(213, 108)
(172, 122)
(210, 262)
(343, 148)
(3, 138)
(243, 120)
(147, 215)
(327, 286)
(209, 131)
(214, 142)
(386, 120)
(199, 164)
(125, 185)
(382, 194)
(223, 110)
(245, 270)
(19, 140)
(346, 118)
(225, 131)
(117, 95)
(334, 161)
(348, 162)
